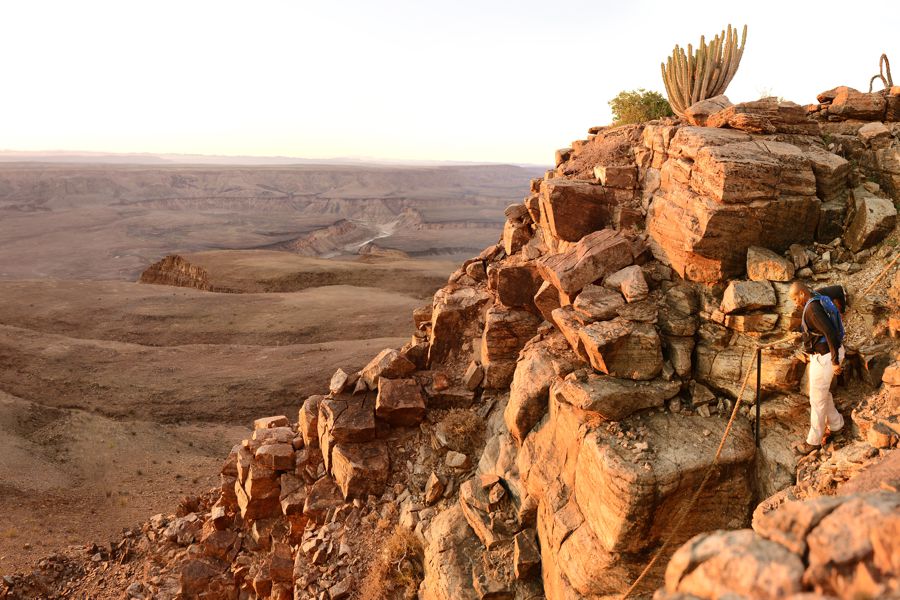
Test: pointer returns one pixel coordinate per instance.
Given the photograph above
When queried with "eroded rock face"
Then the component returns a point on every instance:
(719, 195)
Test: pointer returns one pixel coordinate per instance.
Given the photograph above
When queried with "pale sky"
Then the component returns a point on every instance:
(451, 80)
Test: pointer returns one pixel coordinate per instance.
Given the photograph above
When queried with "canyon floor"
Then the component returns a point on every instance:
(103, 380)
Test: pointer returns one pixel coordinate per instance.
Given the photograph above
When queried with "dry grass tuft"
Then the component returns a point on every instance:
(463, 429)
(397, 570)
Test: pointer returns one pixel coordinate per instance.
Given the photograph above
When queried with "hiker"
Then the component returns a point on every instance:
(823, 336)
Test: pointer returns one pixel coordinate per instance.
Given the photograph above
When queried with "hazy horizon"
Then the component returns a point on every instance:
(399, 81)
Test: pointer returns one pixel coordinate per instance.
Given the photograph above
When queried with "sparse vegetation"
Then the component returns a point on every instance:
(464, 431)
(397, 571)
(638, 106)
(694, 76)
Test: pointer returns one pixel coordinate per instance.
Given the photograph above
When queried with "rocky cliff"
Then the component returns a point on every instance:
(561, 402)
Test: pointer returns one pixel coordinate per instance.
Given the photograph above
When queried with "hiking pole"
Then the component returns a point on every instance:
(758, 391)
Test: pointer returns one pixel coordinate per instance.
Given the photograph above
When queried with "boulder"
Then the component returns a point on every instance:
(526, 555)
(622, 348)
(517, 285)
(258, 498)
(473, 376)
(456, 312)
(592, 258)
(615, 176)
(722, 367)
(547, 300)
(272, 435)
(483, 516)
(875, 134)
(613, 398)
(596, 303)
(292, 495)
(699, 112)
(679, 350)
(308, 420)
(400, 402)
(630, 281)
(874, 220)
(765, 265)
(832, 173)
(747, 295)
(688, 141)
(338, 382)
(766, 115)
(389, 363)
(278, 457)
(515, 235)
(571, 208)
(790, 523)
(360, 469)
(541, 362)
(323, 495)
(848, 103)
(270, 422)
(345, 419)
(752, 323)
(570, 324)
(505, 333)
(861, 532)
(733, 564)
(450, 549)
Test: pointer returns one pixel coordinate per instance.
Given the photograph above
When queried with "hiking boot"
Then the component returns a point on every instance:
(803, 449)
(837, 437)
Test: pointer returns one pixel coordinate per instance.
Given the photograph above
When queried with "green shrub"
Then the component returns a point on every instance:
(638, 106)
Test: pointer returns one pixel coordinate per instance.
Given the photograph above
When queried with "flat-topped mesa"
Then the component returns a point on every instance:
(176, 270)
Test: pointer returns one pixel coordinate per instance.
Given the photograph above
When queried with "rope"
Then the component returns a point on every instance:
(882, 274)
(687, 509)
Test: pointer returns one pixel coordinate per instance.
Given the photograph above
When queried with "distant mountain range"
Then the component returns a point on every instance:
(146, 158)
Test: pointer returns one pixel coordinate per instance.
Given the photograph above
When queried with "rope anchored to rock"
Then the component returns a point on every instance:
(712, 467)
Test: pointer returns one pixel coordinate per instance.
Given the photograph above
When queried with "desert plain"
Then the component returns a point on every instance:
(118, 398)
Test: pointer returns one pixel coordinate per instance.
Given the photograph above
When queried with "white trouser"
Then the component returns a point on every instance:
(822, 410)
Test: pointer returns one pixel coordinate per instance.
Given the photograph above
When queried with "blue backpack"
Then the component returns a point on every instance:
(810, 339)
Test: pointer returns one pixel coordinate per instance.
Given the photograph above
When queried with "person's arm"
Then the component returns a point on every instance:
(817, 320)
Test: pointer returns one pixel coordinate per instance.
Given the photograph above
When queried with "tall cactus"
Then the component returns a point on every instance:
(694, 76)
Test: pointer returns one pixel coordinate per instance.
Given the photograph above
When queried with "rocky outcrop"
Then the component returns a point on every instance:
(175, 270)
(564, 396)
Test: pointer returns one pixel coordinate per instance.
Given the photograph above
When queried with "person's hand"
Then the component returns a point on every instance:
(838, 369)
